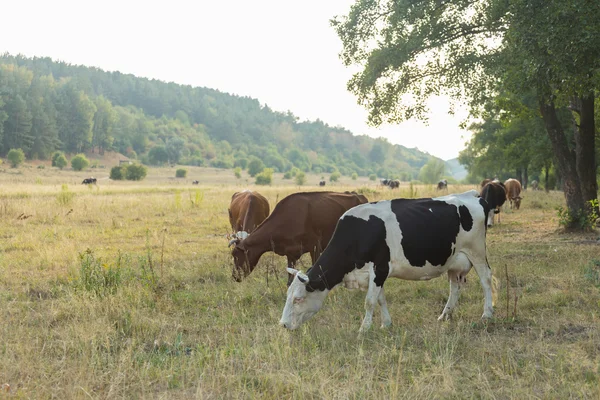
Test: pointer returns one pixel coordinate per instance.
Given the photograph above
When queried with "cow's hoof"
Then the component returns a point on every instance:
(386, 325)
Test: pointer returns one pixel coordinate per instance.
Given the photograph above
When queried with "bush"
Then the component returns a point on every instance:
(300, 178)
(117, 173)
(334, 176)
(61, 161)
(354, 176)
(241, 162)
(265, 177)
(255, 166)
(237, 171)
(16, 157)
(41, 166)
(136, 172)
(372, 177)
(80, 162)
(287, 175)
(55, 157)
(181, 173)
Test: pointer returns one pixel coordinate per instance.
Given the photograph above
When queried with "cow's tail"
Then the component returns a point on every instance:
(495, 285)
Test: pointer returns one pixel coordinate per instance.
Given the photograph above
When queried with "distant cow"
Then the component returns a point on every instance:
(534, 185)
(195, 182)
(494, 194)
(394, 183)
(89, 181)
(443, 184)
(513, 193)
(322, 183)
(412, 239)
(246, 211)
(384, 182)
(300, 223)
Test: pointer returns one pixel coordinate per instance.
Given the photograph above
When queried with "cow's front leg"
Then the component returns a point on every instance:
(485, 276)
(370, 301)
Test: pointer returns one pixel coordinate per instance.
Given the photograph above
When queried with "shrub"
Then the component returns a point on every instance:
(136, 172)
(80, 162)
(372, 177)
(61, 161)
(237, 171)
(335, 175)
(117, 173)
(41, 166)
(181, 173)
(300, 178)
(354, 176)
(55, 156)
(255, 166)
(287, 175)
(265, 177)
(16, 157)
(98, 277)
(241, 162)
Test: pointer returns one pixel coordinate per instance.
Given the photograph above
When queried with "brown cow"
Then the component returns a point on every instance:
(485, 182)
(513, 193)
(494, 194)
(300, 223)
(246, 211)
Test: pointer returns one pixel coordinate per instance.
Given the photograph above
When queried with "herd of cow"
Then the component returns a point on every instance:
(359, 244)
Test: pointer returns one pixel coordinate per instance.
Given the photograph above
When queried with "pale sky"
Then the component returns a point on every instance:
(282, 53)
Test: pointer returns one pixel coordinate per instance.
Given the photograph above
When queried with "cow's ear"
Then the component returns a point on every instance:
(302, 277)
(292, 271)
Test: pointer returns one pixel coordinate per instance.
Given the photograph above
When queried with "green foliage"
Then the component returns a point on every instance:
(158, 155)
(300, 178)
(335, 176)
(265, 177)
(584, 219)
(373, 177)
(432, 171)
(55, 157)
(198, 198)
(79, 162)
(287, 175)
(118, 173)
(65, 197)
(237, 171)
(61, 161)
(354, 176)
(97, 276)
(255, 166)
(136, 172)
(241, 162)
(16, 157)
(181, 173)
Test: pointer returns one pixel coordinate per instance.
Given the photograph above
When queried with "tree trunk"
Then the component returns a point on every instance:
(585, 149)
(519, 176)
(525, 178)
(546, 187)
(565, 162)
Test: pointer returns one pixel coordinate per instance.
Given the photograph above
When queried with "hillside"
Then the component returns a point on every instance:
(47, 105)
(456, 170)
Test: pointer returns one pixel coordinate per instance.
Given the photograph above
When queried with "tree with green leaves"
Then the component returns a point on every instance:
(79, 162)
(16, 157)
(136, 172)
(410, 51)
(158, 155)
(61, 161)
(255, 166)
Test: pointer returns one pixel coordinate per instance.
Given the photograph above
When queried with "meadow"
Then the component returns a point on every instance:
(123, 290)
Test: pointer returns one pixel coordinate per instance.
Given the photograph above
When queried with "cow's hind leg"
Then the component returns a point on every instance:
(386, 319)
(485, 276)
(457, 275)
(371, 300)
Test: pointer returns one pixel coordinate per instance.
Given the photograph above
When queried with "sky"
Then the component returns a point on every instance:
(285, 54)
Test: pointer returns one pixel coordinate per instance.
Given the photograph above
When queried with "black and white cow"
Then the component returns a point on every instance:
(413, 239)
(494, 193)
(89, 181)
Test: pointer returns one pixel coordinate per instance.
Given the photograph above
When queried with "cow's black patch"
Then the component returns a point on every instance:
(429, 229)
(466, 220)
(354, 243)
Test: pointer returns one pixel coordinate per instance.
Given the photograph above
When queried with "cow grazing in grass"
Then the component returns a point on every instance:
(443, 184)
(384, 182)
(494, 194)
(195, 182)
(534, 185)
(300, 223)
(394, 183)
(247, 210)
(89, 181)
(513, 193)
(322, 183)
(413, 239)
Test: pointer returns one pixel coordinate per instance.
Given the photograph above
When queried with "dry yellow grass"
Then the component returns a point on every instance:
(179, 327)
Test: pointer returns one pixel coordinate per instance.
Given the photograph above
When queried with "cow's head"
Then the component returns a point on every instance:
(517, 201)
(301, 304)
(241, 263)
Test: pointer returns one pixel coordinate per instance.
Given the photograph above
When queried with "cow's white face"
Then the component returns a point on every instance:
(301, 304)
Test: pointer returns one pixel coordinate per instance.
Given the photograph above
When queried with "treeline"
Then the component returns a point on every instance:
(47, 106)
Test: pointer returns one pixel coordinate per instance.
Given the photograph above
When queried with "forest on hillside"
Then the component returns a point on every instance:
(47, 105)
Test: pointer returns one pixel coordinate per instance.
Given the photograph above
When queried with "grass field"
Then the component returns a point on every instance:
(123, 290)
